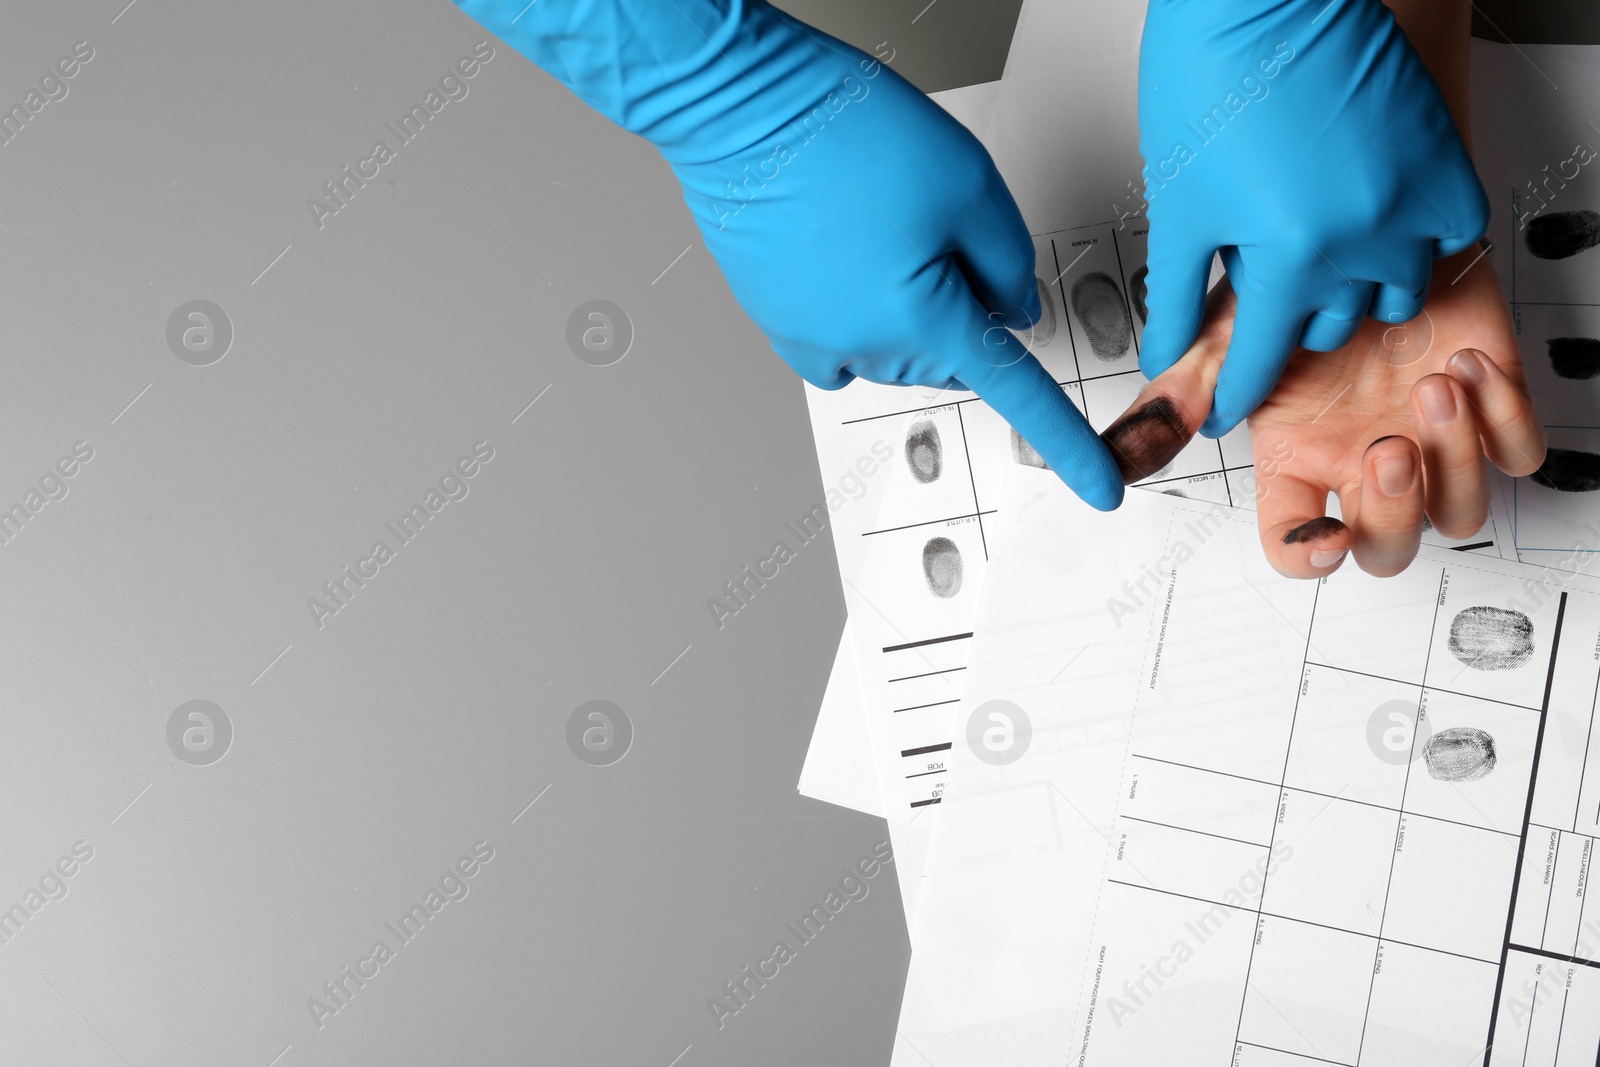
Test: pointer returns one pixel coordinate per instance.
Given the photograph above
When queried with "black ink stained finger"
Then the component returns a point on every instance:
(1563, 233)
(1317, 530)
(1099, 305)
(1575, 357)
(1569, 470)
(941, 566)
(1491, 639)
(1025, 454)
(1147, 439)
(924, 451)
(1139, 283)
(1459, 754)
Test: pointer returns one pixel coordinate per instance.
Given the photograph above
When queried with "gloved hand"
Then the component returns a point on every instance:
(1305, 141)
(864, 230)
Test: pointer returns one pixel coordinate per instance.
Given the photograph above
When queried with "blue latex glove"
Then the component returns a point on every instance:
(1304, 140)
(864, 230)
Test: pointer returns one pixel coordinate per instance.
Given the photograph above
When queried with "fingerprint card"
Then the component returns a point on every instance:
(915, 479)
(1211, 814)
(1539, 166)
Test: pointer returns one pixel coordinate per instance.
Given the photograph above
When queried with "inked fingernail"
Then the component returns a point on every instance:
(1146, 439)
(1319, 529)
(1396, 473)
(1321, 558)
(1438, 403)
(1468, 366)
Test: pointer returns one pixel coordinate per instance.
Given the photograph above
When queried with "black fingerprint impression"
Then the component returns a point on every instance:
(1099, 306)
(1024, 453)
(941, 566)
(1575, 357)
(924, 451)
(1141, 292)
(1563, 233)
(1459, 754)
(1569, 470)
(1491, 639)
(1045, 329)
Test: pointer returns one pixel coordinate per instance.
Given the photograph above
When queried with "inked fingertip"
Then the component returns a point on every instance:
(1147, 439)
(1314, 531)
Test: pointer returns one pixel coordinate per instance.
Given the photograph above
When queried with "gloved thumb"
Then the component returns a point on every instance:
(1175, 298)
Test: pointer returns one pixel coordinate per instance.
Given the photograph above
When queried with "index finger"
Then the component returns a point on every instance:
(1029, 399)
(1298, 536)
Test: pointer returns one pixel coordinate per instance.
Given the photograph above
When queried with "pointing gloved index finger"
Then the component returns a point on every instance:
(1031, 401)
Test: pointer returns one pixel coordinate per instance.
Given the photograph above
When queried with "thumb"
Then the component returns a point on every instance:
(1176, 298)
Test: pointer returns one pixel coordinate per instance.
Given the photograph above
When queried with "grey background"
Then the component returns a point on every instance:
(369, 755)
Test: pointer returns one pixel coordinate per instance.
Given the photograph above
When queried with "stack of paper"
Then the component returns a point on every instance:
(1186, 810)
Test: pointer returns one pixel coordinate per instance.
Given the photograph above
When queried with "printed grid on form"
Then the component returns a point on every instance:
(1556, 307)
(932, 534)
(1202, 856)
(1387, 888)
(935, 519)
(1538, 180)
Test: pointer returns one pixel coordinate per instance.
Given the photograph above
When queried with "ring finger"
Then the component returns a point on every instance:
(1457, 487)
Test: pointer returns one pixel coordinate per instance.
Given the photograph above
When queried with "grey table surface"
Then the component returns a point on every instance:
(194, 488)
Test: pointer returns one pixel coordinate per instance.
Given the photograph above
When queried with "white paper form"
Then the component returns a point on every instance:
(1064, 131)
(919, 474)
(839, 764)
(911, 528)
(1534, 118)
(913, 549)
(1218, 845)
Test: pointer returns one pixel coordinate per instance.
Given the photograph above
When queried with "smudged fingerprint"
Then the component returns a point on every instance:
(1459, 754)
(1141, 291)
(1044, 331)
(924, 451)
(1025, 454)
(1491, 639)
(1569, 470)
(1174, 492)
(1099, 306)
(941, 565)
(1563, 233)
(1577, 358)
